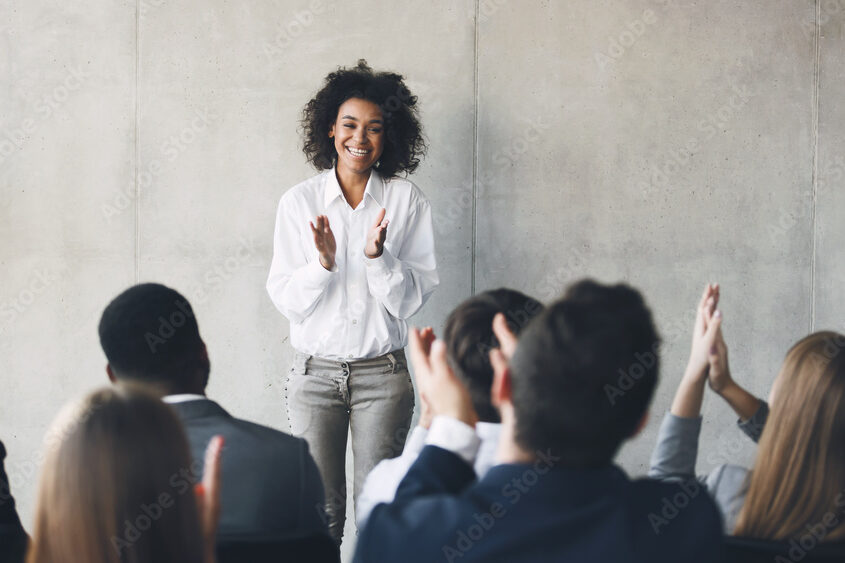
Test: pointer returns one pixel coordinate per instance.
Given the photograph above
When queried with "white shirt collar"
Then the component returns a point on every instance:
(488, 431)
(375, 188)
(182, 398)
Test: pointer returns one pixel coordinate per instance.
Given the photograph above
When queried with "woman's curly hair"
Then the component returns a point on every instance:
(404, 144)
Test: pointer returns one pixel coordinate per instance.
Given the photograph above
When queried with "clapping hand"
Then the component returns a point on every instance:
(445, 395)
(376, 236)
(324, 241)
(706, 331)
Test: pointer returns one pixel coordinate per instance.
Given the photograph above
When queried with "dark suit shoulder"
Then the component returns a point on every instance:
(683, 511)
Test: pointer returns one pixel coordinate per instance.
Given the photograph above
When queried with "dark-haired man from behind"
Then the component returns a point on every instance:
(468, 334)
(556, 494)
(271, 489)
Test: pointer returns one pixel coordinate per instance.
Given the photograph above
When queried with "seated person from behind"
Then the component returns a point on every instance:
(796, 485)
(272, 489)
(555, 494)
(469, 338)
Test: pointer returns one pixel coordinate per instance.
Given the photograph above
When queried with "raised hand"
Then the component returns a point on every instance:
(376, 236)
(446, 396)
(324, 241)
(703, 338)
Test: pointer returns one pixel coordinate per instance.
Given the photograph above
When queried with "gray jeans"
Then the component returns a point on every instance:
(325, 398)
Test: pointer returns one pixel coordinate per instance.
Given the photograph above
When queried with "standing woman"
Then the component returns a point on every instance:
(353, 258)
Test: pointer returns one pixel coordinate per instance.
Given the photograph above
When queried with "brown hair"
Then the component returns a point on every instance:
(799, 473)
(116, 487)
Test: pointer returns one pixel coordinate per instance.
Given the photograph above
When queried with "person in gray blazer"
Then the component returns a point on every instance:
(792, 463)
(271, 489)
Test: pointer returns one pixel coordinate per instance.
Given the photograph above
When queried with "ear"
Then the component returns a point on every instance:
(640, 425)
(110, 373)
(331, 131)
(500, 392)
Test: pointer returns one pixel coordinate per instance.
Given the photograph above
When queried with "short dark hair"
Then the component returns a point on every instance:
(584, 373)
(469, 338)
(404, 144)
(149, 333)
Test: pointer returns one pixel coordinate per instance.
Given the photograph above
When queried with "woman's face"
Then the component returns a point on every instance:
(358, 134)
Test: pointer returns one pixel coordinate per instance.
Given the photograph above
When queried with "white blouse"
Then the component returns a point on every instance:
(359, 309)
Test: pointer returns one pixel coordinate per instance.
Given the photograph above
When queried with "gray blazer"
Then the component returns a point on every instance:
(676, 451)
(271, 488)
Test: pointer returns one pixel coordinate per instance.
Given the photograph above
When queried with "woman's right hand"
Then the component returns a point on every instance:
(719, 372)
(324, 241)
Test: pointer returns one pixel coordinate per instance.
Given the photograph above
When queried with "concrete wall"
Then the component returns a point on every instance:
(666, 143)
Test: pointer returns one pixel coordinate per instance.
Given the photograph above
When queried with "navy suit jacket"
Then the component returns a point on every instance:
(270, 486)
(538, 512)
(13, 538)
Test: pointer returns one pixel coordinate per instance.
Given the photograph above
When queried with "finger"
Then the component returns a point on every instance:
(498, 361)
(507, 340)
(713, 329)
(211, 473)
(379, 217)
(439, 363)
(700, 320)
(419, 355)
(313, 228)
(326, 226)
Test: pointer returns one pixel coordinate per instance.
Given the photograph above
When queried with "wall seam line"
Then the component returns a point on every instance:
(816, 94)
(474, 154)
(137, 198)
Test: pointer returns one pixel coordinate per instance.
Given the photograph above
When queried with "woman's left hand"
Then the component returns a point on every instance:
(376, 236)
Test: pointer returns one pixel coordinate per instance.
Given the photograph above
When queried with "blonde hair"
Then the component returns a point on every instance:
(113, 486)
(799, 474)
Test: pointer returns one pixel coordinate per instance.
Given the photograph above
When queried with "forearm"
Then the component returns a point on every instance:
(689, 396)
(741, 401)
(401, 287)
(296, 293)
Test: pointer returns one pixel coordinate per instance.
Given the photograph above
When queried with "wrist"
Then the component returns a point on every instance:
(729, 387)
(327, 262)
(695, 374)
(373, 256)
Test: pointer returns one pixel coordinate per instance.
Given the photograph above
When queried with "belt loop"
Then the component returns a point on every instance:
(392, 359)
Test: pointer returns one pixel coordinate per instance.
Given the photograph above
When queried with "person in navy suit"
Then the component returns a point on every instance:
(577, 385)
(13, 538)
